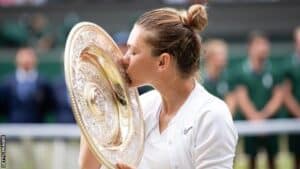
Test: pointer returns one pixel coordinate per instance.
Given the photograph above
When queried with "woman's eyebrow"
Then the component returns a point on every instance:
(131, 46)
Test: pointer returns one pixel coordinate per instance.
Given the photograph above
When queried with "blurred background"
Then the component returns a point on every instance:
(251, 59)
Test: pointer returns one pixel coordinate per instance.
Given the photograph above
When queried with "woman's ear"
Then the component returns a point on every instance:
(164, 61)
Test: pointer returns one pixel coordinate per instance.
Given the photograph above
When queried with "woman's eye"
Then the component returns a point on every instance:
(133, 53)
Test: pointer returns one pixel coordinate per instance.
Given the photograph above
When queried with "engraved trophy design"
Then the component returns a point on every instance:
(106, 110)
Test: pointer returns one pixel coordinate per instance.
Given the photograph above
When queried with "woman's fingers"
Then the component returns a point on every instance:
(123, 166)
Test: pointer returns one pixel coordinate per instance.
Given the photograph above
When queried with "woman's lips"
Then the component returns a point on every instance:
(127, 78)
(124, 66)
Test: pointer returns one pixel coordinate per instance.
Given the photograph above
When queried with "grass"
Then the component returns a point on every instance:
(284, 159)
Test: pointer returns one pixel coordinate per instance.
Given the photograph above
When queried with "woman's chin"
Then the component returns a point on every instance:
(128, 79)
(131, 85)
(134, 84)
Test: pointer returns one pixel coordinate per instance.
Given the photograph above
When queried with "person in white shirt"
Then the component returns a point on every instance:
(185, 126)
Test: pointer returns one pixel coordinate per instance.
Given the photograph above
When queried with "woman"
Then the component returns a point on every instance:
(185, 126)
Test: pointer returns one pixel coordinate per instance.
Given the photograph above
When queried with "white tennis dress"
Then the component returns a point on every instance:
(200, 136)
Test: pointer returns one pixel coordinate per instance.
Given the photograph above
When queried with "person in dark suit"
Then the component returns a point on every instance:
(27, 95)
(3, 115)
(63, 110)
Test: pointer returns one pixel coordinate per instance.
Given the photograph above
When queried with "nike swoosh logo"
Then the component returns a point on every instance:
(187, 130)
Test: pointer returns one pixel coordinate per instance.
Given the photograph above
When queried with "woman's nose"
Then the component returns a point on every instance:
(124, 61)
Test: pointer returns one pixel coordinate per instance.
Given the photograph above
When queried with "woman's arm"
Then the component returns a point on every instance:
(87, 160)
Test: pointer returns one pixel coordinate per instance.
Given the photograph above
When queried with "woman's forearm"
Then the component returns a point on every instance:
(87, 160)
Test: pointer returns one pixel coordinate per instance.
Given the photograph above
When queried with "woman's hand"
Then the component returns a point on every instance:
(124, 166)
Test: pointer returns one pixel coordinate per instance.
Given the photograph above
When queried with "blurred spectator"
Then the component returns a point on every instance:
(32, 30)
(292, 95)
(215, 77)
(63, 110)
(41, 38)
(259, 95)
(176, 2)
(69, 21)
(183, 2)
(3, 108)
(204, 2)
(7, 2)
(13, 34)
(121, 39)
(22, 2)
(27, 96)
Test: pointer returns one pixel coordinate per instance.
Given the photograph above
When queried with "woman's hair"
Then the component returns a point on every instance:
(176, 32)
